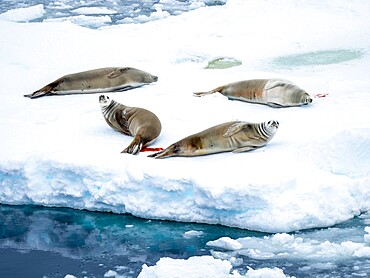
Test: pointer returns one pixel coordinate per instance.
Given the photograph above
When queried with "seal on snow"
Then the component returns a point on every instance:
(140, 123)
(272, 92)
(96, 81)
(236, 136)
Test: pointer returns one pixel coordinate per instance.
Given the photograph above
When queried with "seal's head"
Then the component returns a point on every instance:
(154, 78)
(300, 96)
(270, 127)
(105, 103)
(136, 75)
(306, 98)
(272, 124)
(148, 78)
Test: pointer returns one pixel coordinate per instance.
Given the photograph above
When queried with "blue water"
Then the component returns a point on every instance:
(317, 58)
(54, 242)
(88, 244)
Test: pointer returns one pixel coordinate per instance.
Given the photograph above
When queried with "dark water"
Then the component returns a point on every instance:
(54, 242)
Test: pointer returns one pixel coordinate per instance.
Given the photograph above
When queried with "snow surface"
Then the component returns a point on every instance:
(190, 234)
(24, 14)
(93, 10)
(58, 151)
(282, 245)
(202, 267)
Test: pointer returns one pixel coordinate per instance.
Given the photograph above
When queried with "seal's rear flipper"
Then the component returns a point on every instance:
(217, 90)
(37, 94)
(135, 146)
(168, 152)
(200, 94)
(47, 90)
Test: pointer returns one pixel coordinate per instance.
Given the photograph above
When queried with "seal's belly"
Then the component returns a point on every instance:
(92, 90)
(252, 100)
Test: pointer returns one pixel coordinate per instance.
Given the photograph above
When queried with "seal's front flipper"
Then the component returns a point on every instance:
(273, 83)
(122, 120)
(235, 128)
(275, 105)
(117, 72)
(245, 149)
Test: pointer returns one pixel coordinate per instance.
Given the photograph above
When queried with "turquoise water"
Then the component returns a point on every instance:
(54, 242)
(86, 243)
(316, 58)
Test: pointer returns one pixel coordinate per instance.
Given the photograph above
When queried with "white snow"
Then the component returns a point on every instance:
(158, 14)
(225, 243)
(282, 245)
(83, 20)
(93, 10)
(202, 267)
(112, 273)
(367, 236)
(191, 234)
(24, 14)
(58, 151)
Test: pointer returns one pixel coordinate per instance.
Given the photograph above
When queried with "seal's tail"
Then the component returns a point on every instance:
(46, 90)
(200, 94)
